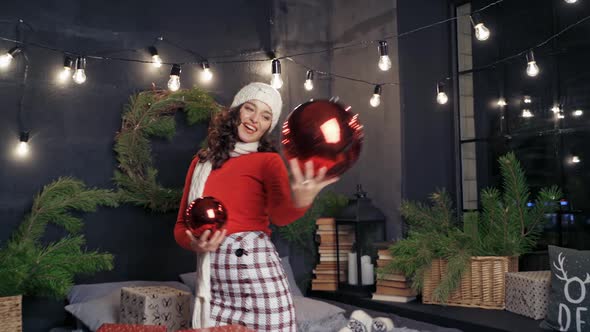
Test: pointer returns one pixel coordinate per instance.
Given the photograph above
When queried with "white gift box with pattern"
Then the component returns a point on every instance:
(156, 305)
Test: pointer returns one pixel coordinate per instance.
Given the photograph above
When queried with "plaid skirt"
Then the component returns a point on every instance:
(249, 286)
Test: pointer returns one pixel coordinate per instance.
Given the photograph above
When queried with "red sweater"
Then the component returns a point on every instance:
(255, 190)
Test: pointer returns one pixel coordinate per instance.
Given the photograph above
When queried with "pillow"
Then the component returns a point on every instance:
(295, 291)
(189, 278)
(569, 296)
(87, 292)
(312, 313)
(98, 311)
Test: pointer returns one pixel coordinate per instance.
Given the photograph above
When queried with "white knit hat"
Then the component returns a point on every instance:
(266, 94)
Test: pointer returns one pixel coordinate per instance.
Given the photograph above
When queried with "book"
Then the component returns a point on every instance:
(325, 221)
(324, 286)
(393, 298)
(392, 277)
(393, 283)
(395, 291)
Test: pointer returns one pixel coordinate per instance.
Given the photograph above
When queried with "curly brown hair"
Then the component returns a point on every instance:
(223, 135)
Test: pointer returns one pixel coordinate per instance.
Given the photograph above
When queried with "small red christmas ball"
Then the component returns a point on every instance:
(205, 213)
(325, 132)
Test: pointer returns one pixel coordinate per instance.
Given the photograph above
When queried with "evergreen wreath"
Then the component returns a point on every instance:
(151, 114)
(29, 267)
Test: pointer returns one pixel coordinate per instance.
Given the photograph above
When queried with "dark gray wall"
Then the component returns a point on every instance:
(428, 132)
(379, 168)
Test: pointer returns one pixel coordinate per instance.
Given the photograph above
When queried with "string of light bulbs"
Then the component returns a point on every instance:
(76, 63)
(532, 68)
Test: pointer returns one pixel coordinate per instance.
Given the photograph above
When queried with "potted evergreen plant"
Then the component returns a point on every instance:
(462, 261)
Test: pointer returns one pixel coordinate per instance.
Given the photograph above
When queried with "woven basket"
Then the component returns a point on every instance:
(11, 314)
(482, 285)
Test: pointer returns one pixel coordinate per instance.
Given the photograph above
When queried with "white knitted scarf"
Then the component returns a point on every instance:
(202, 309)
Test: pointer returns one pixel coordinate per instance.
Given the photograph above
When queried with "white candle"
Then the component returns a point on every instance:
(366, 259)
(352, 269)
(367, 273)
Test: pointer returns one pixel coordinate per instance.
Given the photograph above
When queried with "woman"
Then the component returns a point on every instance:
(241, 168)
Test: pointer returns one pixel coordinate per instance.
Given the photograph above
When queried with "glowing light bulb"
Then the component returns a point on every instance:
(555, 109)
(441, 95)
(376, 98)
(531, 69)
(22, 149)
(384, 60)
(309, 81)
(502, 102)
(276, 81)
(527, 113)
(156, 61)
(206, 73)
(174, 81)
(527, 99)
(571, 1)
(481, 32)
(575, 159)
(6, 58)
(442, 98)
(66, 73)
(80, 72)
(578, 113)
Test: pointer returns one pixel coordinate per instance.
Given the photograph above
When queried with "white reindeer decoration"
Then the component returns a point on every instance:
(568, 281)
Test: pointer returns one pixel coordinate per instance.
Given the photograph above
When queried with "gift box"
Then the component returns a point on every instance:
(527, 293)
(156, 305)
(130, 328)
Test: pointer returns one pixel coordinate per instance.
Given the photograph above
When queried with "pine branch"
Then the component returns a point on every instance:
(30, 268)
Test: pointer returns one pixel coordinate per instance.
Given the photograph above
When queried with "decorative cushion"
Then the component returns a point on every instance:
(189, 278)
(569, 297)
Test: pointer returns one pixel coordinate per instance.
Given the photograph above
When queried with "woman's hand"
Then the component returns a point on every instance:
(306, 186)
(202, 244)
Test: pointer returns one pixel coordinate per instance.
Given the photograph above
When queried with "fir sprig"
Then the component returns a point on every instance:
(31, 268)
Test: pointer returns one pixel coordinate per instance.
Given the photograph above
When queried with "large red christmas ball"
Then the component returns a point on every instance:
(325, 132)
(205, 213)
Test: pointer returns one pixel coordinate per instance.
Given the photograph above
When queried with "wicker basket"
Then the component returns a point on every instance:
(11, 314)
(482, 285)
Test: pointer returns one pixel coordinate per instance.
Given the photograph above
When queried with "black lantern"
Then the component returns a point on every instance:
(358, 228)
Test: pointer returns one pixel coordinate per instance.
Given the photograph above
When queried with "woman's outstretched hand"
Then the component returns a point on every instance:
(306, 185)
(203, 243)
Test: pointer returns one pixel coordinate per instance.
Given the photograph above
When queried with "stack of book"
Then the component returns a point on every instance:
(392, 287)
(325, 273)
